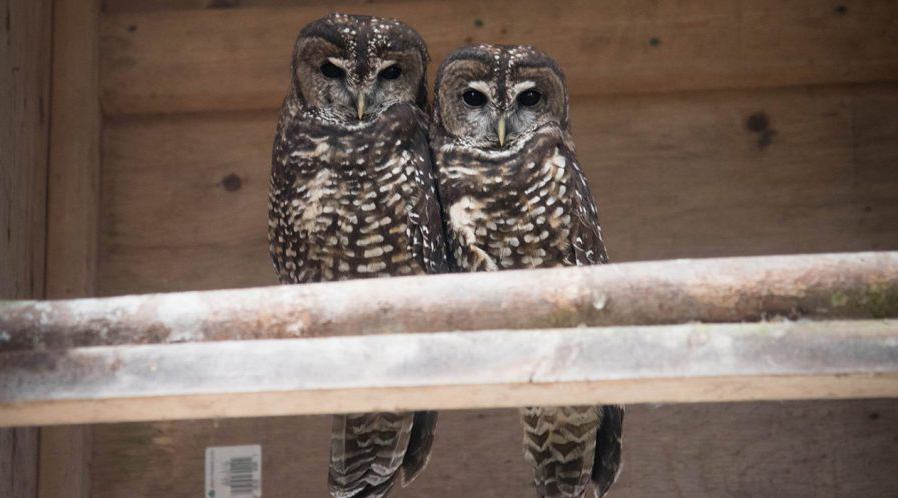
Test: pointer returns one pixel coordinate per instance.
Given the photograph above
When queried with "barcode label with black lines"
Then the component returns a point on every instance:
(234, 471)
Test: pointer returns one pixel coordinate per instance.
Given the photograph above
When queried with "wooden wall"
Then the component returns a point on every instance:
(24, 128)
(707, 129)
(796, 449)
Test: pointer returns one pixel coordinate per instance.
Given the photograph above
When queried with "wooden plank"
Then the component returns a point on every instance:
(73, 213)
(827, 286)
(826, 449)
(24, 110)
(171, 61)
(74, 178)
(24, 104)
(504, 368)
(677, 175)
(120, 6)
(18, 462)
(65, 453)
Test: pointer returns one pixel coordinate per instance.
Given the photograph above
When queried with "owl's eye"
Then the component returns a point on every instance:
(529, 98)
(330, 70)
(474, 98)
(391, 72)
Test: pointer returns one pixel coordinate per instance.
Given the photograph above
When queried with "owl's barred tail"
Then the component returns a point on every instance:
(370, 451)
(565, 446)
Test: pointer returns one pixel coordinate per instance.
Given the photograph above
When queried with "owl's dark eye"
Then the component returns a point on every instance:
(474, 98)
(391, 72)
(529, 98)
(330, 70)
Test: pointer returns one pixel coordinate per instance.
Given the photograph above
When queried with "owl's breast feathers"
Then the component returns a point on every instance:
(353, 202)
(530, 209)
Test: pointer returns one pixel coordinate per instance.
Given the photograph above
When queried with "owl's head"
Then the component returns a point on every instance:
(495, 97)
(350, 68)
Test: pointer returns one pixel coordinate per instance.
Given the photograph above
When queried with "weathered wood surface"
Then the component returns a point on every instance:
(823, 449)
(503, 368)
(184, 198)
(822, 286)
(120, 6)
(74, 174)
(18, 462)
(73, 213)
(24, 117)
(65, 454)
(170, 61)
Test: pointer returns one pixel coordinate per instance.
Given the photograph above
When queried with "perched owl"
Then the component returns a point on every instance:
(353, 195)
(515, 197)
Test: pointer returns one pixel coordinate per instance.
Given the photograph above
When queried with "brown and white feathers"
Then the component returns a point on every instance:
(514, 198)
(353, 195)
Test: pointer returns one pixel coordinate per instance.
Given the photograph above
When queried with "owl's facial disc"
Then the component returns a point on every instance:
(500, 120)
(350, 69)
(360, 92)
(495, 98)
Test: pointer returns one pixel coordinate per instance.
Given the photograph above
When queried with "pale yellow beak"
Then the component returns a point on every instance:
(501, 130)
(360, 105)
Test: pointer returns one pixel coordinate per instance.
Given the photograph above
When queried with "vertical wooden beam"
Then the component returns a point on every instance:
(24, 118)
(74, 172)
(73, 212)
(25, 37)
(65, 461)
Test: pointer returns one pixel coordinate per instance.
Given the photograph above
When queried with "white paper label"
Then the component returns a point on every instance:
(234, 471)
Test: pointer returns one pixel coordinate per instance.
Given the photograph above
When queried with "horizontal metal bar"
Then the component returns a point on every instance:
(691, 362)
(824, 286)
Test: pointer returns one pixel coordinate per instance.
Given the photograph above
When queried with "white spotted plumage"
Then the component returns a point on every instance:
(517, 198)
(353, 195)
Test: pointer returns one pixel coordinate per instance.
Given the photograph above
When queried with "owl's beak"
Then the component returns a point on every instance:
(360, 105)
(501, 130)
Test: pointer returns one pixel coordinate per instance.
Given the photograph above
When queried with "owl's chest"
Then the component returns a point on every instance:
(521, 220)
(352, 203)
(348, 223)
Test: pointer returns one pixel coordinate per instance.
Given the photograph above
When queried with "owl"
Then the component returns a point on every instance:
(515, 197)
(353, 195)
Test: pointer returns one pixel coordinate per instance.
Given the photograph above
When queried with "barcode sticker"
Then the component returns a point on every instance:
(234, 471)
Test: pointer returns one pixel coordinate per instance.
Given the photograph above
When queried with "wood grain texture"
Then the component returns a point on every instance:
(121, 6)
(230, 59)
(24, 116)
(18, 462)
(74, 171)
(72, 212)
(65, 453)
(24, 119)
(675, 175)
(802, 449)
(452, 370)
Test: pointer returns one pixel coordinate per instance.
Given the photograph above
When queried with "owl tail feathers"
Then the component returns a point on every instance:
(608, 463)
(367, 453)
(559, 443)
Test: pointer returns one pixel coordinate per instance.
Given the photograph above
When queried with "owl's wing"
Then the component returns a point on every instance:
(607, 463)
(419, 444)
(426, 220)
(589, 249)
(586, 233)
(429, 247)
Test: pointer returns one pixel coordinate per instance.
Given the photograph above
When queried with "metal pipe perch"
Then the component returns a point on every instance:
(824, 286)
(389, 344)
(661, 363)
